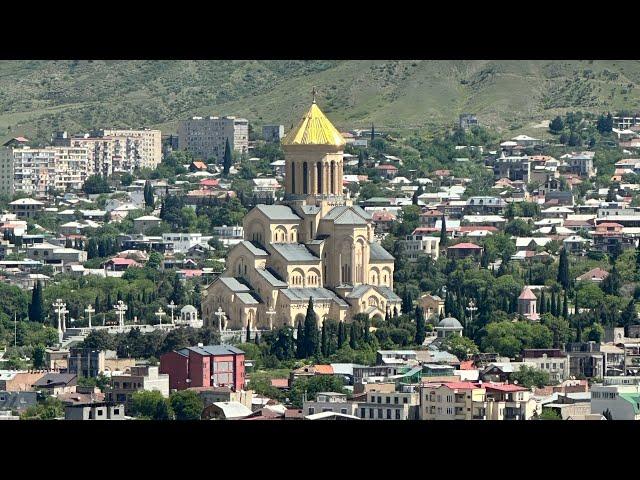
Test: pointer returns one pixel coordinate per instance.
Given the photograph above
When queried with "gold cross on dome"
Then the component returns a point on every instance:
(314, 92)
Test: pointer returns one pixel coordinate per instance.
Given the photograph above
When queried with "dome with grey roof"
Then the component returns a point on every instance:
(449, 323)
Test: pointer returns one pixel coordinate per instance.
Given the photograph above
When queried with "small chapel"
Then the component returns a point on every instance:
(315, 244)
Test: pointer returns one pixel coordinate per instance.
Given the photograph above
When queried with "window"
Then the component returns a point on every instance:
(380, 413)
(371, 413)
(396, 400)
(388, 414)
(343, 410)
(116, 411)
(312, 410)
(100, 412)
(362, 412)
(398, 414)
(388, 400)
(405, 400)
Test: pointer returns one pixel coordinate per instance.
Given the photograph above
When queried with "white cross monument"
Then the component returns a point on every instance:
(120, 309)
(89, 310)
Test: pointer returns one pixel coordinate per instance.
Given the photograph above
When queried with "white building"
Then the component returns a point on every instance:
(182, 242)
(623, 401)
(417, 245)
(6, 171)
(206, 137)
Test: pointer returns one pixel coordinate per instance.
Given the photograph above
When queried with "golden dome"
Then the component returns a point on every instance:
(314, 129)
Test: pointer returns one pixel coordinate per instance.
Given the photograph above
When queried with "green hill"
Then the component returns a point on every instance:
(37, 97)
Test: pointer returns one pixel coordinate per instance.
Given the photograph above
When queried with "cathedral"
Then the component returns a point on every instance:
(316, 244)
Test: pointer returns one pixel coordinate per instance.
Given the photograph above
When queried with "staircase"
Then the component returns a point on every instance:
(74, 335)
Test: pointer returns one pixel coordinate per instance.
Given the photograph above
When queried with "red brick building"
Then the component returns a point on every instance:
(204, 366)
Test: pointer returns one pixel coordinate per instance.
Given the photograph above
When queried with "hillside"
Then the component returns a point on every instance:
(37, 97)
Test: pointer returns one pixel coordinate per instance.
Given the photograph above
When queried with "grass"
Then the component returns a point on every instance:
(37, 97)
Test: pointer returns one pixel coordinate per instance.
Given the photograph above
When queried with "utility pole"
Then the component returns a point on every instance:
(470, 308)
(15, 330)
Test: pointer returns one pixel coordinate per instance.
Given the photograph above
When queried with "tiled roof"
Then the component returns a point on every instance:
(377, 253)
(303, 294)
(465, 245)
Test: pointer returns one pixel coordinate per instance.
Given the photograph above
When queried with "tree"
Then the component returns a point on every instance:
(605, 124)
(594, 333)
(421, 330)
(353, 336)
(549, 414)
(531, 377)
(150, 404)
(49, 409)
(324, 340)
(39, 356)
(563, 269)
(629, 315)
(565, 306)
(227, 161)
(300, 343)
(95, 184)
(310, 387)
(443, 233)
(36, 307)
(556, 125)
(407, 302)
(148, 194)
(611, 284)
(341, 334)
(462, 347)
(311, 334)
(186, 404)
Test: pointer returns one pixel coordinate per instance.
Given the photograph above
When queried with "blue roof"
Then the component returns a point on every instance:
(233, 284)
(254, 249)
(271, 277)
(303, 294)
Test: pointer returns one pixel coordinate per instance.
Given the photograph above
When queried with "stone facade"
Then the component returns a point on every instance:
(316, 244)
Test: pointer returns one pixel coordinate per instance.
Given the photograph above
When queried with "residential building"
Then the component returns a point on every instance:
(141, 378)
(210, 395)
(94, 411)
(86, 362)
(465, 250)
(206, 137)
(204, 366)
(329, 402)
(17, 401)
(622, 401)
(585, 359)
(273, 133)
(145, 223)
(417, 245)
(551, 360)
(452, 401)
(19, 380)
(26, 207)
(608, 237)
(6, 171)
(141, 148)
(226, 411)
(56, 383)
(467, 120)
(395, 405)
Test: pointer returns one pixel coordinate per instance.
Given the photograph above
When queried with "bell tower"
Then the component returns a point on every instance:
(314, 163)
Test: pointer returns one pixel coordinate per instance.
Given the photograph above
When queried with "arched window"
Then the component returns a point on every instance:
(319, 168)
(333, 177)
(305, 178)
(293, 177)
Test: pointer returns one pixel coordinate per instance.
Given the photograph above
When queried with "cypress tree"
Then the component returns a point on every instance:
(341, 334)
(353, 336)
(421, 328)
(148, 194)
(565, 306)
(248, 339)
(629, 314)
(257, 339)
(366, 334)
(407, 302)
(373, 132)
(300, 342)
(563, 269)
(543, 304)
(36, 308)
(575, 304)
(227, 161)
(387, 317)
(323, 339)
(312, 342)
(443, 233)
(552, 308)
(396, 316)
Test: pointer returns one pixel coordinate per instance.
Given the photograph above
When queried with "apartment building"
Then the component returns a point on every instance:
(6, 171)
(551, 360)
(205, 137)
(142, 148)
(37, 171)
(622, 401)
(141, 377)
(417, 245)
(395, 405)
(329, 402)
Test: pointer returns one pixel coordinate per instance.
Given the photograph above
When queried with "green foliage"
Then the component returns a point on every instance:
(186, 404)
(549, 414)
(151, 405)
(48, 409)
(509, 339)
(312, 386)
(530, 377)
(96, 184)
(462, 347)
